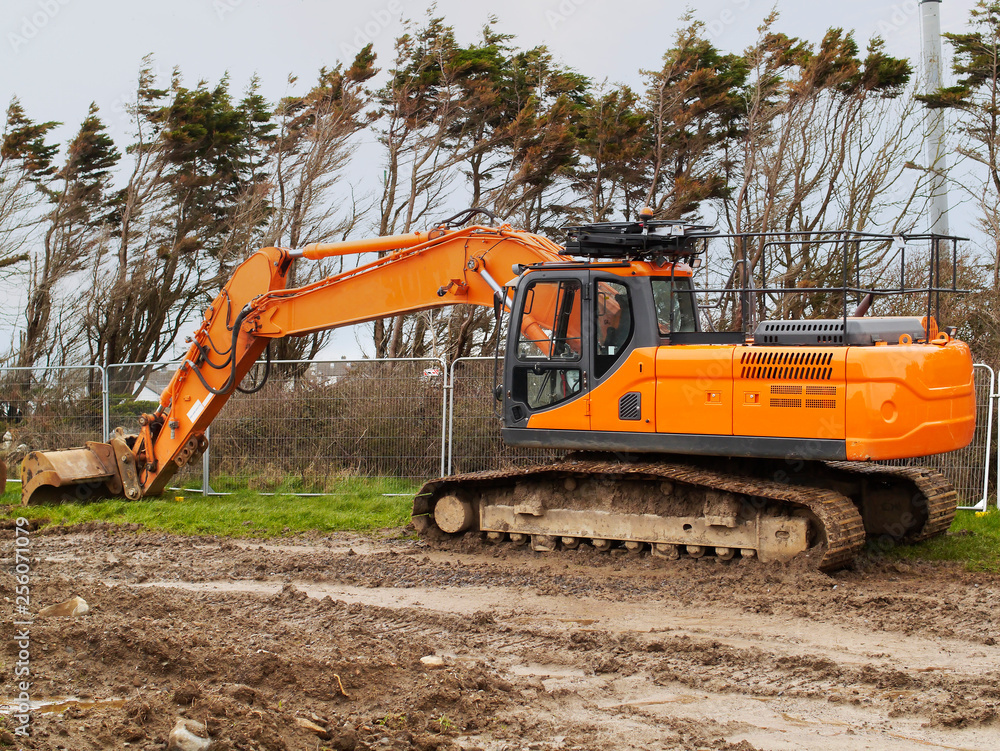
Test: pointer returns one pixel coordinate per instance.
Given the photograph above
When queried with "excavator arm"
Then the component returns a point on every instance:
(419, 271)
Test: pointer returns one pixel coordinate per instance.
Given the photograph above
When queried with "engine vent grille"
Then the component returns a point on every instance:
(809, 332)
(787, 366)
(786, 402)
(630, 406)
(822, 403)
(785, 389)
(821, 390)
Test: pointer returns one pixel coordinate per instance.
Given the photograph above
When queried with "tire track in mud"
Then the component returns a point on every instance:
(588, 653)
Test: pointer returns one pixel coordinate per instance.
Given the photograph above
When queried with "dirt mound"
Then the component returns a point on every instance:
(352, 642)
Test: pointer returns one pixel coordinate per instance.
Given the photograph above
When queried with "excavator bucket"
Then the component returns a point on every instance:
(79, 475)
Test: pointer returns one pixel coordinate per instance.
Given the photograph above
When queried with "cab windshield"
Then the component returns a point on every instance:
(675, 305)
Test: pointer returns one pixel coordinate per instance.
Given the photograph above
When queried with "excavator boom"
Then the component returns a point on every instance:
(418, 271)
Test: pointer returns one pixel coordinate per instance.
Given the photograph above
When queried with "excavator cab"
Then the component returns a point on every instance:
(574, 327)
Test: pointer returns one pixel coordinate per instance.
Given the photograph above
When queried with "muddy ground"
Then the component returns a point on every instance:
(571, 650)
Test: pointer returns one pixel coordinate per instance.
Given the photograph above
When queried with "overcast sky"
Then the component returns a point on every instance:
(59, 55)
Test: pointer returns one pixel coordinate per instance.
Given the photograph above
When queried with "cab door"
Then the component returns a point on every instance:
(623, 377)
(547, 368)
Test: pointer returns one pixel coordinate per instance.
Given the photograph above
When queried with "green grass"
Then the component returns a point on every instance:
(360, 505)
(974, 539)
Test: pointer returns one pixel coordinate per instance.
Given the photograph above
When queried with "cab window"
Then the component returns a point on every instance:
(551, 386)
(613, 324)
(551, 321)
(675, 305)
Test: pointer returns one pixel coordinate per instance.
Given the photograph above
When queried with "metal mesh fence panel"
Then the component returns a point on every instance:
(968, 468)
(49, 408)
(474, 438)
(310, 432)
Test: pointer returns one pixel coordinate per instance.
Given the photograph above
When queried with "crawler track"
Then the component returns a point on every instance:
(838, 532)
(927, 495)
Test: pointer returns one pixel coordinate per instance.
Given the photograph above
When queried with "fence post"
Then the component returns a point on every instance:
(445, 469)
(105, 404)
(994, 400)
(451, 410)
(206, 486)
(985, 501)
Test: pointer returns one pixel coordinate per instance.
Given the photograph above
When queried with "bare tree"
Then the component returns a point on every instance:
(826, 145)
(73, 230)
(421, 105)
(316, 139)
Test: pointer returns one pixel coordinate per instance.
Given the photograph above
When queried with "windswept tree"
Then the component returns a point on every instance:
(826, 144)
(535, 189)
(315, 137)
(419, 108)
(614, 146)
(75, 226)
(695, 106)
(506, 118)
(510, 97)
(191, 173)
(25, 160)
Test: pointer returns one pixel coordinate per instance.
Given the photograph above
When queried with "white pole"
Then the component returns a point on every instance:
(935, 146)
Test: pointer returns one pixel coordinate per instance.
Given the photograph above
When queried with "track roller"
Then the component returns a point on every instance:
(666, 550)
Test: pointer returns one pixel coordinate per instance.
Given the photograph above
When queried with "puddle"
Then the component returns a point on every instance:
(59, 704)
(803, 722)
(671, 699)
(930, 744)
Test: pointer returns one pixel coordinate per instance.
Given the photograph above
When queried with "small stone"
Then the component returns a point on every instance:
(71, 607)
(345, 739)
(432, 661)
(312, 727)
(188, 735)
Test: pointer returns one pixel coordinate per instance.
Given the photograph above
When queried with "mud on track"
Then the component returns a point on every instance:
(572, 650)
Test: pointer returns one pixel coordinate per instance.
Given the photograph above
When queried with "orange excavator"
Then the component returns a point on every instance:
(754, 443)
